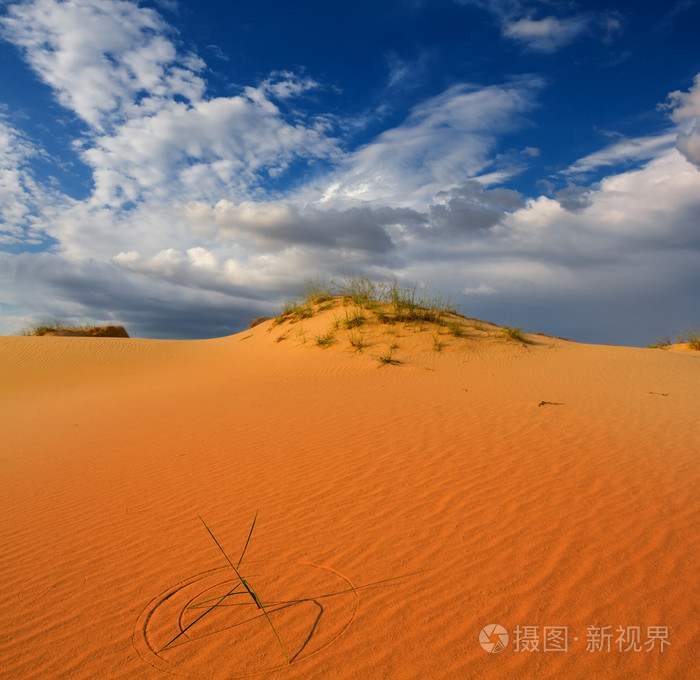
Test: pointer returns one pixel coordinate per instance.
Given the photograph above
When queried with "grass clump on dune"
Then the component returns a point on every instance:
(407, 305)
(662, 342)
(690, 337)
(359, 290)
(693, 339)
(354, 320)
(293, 310)
(69, 328)
(456, 329)
(357, 340)
(325, 339)
(44, 327)
(317, 291)
(514, 333)
(388, 301)
(388, 357)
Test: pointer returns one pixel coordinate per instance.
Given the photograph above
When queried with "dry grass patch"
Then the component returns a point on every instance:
(325, 340)
(514, 333)
(387, 358)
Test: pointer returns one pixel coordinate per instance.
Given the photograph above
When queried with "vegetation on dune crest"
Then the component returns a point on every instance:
(693, 339)
(61, 327)
(664, 341)
(368, 303)
(44, 327)
(690, 337)
(389, 302)
(514, 333)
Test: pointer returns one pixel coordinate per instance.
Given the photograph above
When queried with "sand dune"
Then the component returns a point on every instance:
(549, 487)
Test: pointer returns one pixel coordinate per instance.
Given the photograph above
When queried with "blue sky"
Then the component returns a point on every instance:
(181, 167)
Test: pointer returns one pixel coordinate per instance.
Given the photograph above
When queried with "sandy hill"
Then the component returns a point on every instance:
(405, 508)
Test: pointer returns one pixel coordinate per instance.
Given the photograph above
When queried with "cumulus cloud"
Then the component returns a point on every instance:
(573, 198)
(153, 134)
(685, 109)
(286, 84)
(518, 21)
(104, 59)
(632, 242)
(17, 188)
(545, 35)
(276, 225)
(471, 208)
(46, 286)
(221, 146)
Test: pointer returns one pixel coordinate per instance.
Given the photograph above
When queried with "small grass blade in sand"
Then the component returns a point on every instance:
(219, 600)
(242, 582)
(245, 583)
(245, 547)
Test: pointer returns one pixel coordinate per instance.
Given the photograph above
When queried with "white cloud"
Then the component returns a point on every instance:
(636, 149)
(545, 35)
(636, 213)
(104, 59)
(222, 146)
(444, 141)
(481, 289)
(276, 225)
(405, 73)
(286, 84)
(154, 133)
(16, 185)
(686, 111)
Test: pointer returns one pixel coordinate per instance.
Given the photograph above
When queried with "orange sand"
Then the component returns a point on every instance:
(402, 508)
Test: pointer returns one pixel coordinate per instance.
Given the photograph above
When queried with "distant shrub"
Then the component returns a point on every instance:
(693, 339)
(662, 342)
(258, 320)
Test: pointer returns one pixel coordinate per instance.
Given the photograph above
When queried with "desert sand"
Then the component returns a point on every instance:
(550, 488)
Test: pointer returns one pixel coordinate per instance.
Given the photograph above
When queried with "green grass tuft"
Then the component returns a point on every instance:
(354, 320)
(325, 340)
(44, 327)
(292, 310)
(357, 340)
(358, 289)
(408, 305)
(317, 291)
(693, 339)
(455, 328)
(514, 333)
(662, 342)
(388, 357)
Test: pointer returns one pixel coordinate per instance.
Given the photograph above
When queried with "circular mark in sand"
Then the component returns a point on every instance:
(493, 638)
(310, 606)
